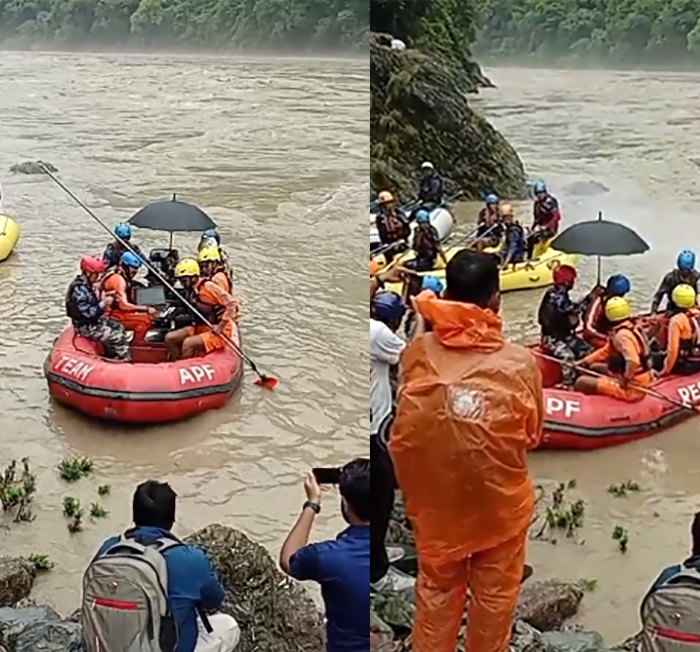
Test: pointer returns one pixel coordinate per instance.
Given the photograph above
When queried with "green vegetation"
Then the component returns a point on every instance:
(286, 25)
(42, 563)
(623, 489)
(72, 470)
(618, 32)
(622, 536)
(104, 490)
(17, 491)
(97, 511)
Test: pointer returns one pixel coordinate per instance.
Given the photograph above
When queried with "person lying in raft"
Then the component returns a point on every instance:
(558, 317)
(218, 306)
(212, 267)
(596, 326)
(626, 358)
(685, 273)
(683, 349)
(514, 245)
(118, 283)
(87, 311)
(115, 250)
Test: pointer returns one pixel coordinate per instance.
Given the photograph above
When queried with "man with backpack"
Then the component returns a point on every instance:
(670, 610)
(147, 591)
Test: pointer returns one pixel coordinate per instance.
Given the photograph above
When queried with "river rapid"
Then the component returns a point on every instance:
(636, 133)
(276, 150)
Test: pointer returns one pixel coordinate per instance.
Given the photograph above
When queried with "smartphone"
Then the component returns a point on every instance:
(327, 476)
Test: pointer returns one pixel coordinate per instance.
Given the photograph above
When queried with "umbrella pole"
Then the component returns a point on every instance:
(600, 265)
(172, 237)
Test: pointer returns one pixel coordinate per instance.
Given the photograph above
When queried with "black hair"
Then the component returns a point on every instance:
(154, 505)
(354, 486)
(472, 277)
(695, 535)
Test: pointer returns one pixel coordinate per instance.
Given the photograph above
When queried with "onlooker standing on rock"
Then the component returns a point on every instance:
(341, 567)
(470, 408)
(165, 585)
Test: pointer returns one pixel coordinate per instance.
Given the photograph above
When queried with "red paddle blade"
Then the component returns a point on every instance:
(268, 382)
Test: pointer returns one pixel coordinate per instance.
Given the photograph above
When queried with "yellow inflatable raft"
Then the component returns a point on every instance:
(9, 235)
(533, 274)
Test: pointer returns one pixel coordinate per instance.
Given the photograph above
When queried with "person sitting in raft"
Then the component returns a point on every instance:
(558, 317)
(217, 306)
(115, 250)
(212, 267)
(626, 357)
(489, 226)
(211, 238)
(683, 349)
(118, 284)
(431, 192)
(392, 226)
(87, 311)
(546, 217)
(596, 327)
(426, 244)
(685, 273)
(514, 245)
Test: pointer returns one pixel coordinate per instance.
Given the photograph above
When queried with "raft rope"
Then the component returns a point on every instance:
(263, 380)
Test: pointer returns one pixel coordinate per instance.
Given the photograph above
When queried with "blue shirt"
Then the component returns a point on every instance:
(191, 582)
(341, 567)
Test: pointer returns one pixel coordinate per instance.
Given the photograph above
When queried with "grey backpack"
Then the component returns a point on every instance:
(125, 601)
(671, 614)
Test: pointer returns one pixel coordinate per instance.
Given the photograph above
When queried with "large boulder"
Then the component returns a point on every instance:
(38, 629)
(547, 605)
(275, 613)
(420, 111)
(16, 580)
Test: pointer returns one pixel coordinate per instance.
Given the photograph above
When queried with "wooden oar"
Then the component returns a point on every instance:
(644, 390)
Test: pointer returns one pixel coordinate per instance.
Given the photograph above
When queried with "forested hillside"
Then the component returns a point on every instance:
(629, 32)
(208, 24)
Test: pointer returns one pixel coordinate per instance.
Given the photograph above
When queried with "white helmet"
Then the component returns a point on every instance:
(427, 166)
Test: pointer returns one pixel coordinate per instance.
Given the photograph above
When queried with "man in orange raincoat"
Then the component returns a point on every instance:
(470, 408)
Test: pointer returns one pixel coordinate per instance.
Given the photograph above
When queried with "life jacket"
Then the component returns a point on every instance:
(616, 362)
(690, 347)
(426, 242)
(395, 227)
(117, 271)
(72, 308)
(212, 312)
(545, 211)
(670, 612)
(595, 312)
(227, 275)
(492, 229)
(515, 231)
(553, 322)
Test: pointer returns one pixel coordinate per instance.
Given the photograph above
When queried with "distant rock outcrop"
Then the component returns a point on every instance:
(32, 167)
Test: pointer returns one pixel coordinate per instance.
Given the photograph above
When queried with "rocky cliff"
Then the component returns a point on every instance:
(419, 112)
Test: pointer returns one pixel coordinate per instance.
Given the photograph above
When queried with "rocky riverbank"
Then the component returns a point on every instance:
(420, 111)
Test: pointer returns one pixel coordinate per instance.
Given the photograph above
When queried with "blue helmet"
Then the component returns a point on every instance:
(686, 260)
(387, 307)
(619, 285)
(123, 231)
(212, 234)
(492, 199)
(539, 186)
(130, 260)
(422, 216)
(434, 284)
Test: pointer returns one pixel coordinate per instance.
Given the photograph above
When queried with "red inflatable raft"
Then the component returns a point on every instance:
(148, 390)
(582, 422)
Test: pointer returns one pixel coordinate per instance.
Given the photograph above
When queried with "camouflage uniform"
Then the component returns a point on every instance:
(567, 350)
(111, 334)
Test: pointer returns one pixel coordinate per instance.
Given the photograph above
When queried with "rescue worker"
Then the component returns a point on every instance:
(595, 324)
(212, 267)
(489, 226)
(558, 317)
(685, 273)
(469, 409)
(118, 283)
(514, 244)
(392, 226)
(426, 244)
(432, 186)
(683, 348)
(115, 250)
(218, 307)
(546, 217)
(87, 311)
(211, 238)
(626, 358)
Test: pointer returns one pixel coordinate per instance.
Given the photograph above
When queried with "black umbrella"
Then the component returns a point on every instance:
(600, 238)
(172, 216)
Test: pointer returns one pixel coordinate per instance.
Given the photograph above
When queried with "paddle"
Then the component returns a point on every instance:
(639, 388)
(268, 382)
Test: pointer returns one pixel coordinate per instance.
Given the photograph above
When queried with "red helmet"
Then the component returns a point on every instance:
(565, 275)
(92, 265)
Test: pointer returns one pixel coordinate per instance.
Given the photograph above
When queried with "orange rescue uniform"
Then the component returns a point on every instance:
(223, 280)
(212, 295)
(682, 337)
(629, 346)
(470, 407)
(115, 282)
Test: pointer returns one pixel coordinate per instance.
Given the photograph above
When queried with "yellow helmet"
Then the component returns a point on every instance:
(617, 309)
(209, 254)
(187, 267)
(683, 296)
(507, 210)
(385, 197)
